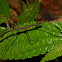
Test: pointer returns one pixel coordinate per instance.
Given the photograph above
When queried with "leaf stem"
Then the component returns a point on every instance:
(27, 2)
(8, 27)
(56, 60)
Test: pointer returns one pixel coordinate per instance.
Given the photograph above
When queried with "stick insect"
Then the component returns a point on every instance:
(27, 34)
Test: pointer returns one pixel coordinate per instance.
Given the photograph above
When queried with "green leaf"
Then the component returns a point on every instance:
(2, 30)
(29, 13)
(36, 40)
(4, 10)
(53, 54)
(3, 19)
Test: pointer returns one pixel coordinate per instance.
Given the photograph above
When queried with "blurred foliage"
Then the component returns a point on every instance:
(4, 10)
(29, 13)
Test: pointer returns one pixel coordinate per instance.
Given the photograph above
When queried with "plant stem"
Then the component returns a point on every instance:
(27, 2)
(56, 60)
(7, 26)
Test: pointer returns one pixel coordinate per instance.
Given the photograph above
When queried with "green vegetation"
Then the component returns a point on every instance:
(34, 39)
